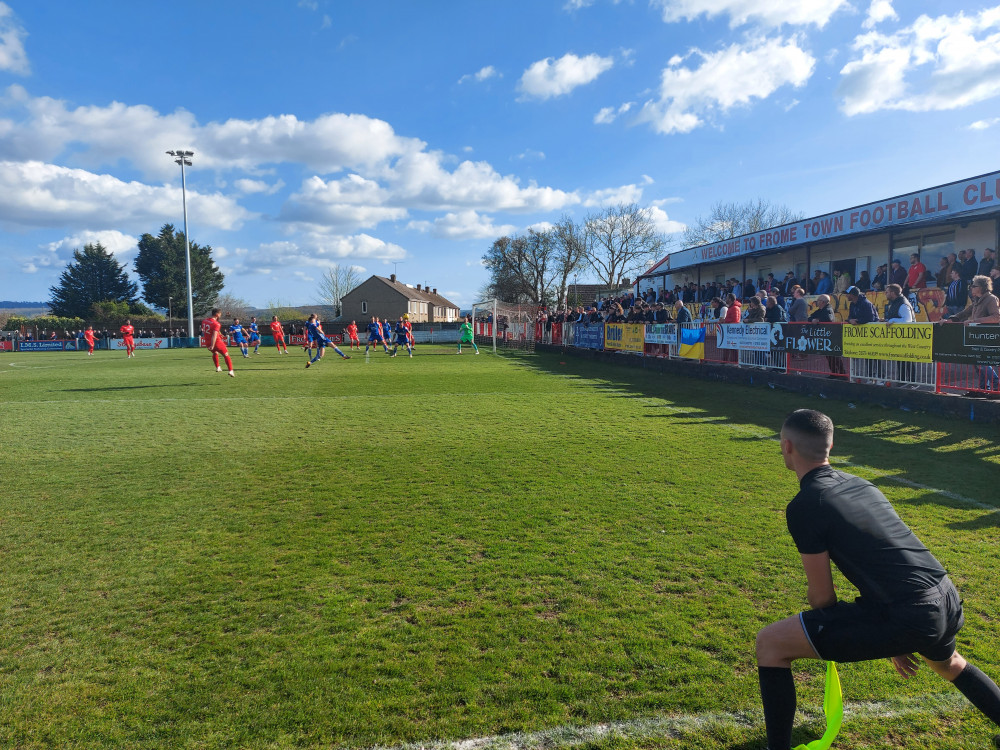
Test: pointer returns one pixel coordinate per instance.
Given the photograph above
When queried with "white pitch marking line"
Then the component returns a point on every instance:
(676, 726)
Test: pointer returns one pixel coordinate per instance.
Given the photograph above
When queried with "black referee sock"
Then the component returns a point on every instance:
(981, 691)
(777, 693)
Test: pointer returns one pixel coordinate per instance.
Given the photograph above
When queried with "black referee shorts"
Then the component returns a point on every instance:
(862, 631)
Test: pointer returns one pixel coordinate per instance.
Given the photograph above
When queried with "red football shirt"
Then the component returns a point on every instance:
(352, 331)
(276, 329)
(89, 336)
(127, 331)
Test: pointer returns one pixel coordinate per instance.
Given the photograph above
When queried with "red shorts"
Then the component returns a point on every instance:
(220, 347)
(127, 340)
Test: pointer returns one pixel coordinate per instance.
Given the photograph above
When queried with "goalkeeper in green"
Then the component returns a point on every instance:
(465, 334)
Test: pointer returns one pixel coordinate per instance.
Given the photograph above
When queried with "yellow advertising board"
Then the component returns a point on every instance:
(625, 337)
(905, 342)
(634, 337)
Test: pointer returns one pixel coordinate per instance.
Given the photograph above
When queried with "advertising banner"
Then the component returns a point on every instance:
(661, 333)
(47, 346)
(904, 342)
(588, 336)
(814, 338)
(749, 337)
(634, 337)
(6, 346)
(160, 343)
(967, 345)
(613, 336)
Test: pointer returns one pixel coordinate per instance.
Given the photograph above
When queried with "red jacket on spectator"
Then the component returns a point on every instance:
(733, 313)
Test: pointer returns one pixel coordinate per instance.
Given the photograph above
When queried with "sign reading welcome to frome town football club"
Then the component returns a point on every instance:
(935, 203)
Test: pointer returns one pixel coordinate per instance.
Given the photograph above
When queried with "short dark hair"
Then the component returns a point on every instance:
(216, 310)
(811, 432)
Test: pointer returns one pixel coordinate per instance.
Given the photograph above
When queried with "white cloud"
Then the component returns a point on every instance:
(541, 226)
(248, 186)
(935, 64)
(878, 11)
(311, 250)
(531, 155)
(734, 76)
(547, 78)
(664, 223)
(614, 196)
(765, 12)
(13, 58)
(984, 124)
(353, 202)
(463, 225)
(35, 194)
(481, 75)
(57, 254)
(608, 115)
(327, 22)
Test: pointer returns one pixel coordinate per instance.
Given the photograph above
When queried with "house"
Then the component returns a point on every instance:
(390, 298)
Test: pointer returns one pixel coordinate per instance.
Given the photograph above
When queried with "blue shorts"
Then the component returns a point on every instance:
(254, 337)
(239, 339)
(401, 338)
(374, 339)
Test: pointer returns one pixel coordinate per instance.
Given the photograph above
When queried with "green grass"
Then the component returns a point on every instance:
(403, 551)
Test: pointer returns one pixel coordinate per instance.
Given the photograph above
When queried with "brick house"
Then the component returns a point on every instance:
(390, 298)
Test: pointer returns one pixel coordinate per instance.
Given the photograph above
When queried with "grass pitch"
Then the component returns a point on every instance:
(408, 551)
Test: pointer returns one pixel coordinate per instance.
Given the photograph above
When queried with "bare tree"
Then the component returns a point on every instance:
(534, 267)
(232, 306)
(335, 283)
(571, 253)
(728, 220)
(621, 241)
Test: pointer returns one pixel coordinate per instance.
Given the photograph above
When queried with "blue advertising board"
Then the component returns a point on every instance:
(46, 346)
(588, 336)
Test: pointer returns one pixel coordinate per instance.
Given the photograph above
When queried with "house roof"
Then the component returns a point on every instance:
(412, 293)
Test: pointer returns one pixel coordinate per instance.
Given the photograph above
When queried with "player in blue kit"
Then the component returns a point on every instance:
(254, 335)
(316, 336)
(236, 331)
(402, 337)
(387, 331)
(375, 335)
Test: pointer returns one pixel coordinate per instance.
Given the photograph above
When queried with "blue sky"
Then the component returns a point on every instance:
(408, 135)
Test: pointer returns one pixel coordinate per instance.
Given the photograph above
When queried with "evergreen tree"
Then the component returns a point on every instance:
(93, 276)
(161, 268)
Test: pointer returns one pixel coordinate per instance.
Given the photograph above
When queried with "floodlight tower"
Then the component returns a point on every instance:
(184, 159)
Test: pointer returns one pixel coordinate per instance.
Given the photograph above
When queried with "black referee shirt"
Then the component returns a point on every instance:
(850, 518)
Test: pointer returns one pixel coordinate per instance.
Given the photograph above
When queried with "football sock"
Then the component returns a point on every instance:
(981, 691)
(215, 359)
(229, 362)
(777, 692)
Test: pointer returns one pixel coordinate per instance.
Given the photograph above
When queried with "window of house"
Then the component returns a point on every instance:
(364, 306)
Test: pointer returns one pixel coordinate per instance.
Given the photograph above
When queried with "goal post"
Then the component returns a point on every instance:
(506, 325)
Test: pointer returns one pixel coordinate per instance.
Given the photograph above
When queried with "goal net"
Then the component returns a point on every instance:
(505, 325)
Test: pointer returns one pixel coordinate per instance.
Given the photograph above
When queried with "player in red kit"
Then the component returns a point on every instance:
(127, 331)
(211, 329)
(352, 334)
(279, 335)
(88, 336)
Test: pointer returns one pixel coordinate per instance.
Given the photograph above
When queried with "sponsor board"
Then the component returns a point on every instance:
(903, 342)
(625, 337)
(814, 338)
(749, 337)
(159, 343)
(588, 336)
(967, 344)
(47, 346)
(6, 346)
(661, 333)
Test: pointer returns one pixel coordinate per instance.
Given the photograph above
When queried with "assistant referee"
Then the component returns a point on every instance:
(907, 603)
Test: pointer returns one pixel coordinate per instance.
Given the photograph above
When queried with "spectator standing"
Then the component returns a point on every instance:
(755, 311)
(985, 308)
(681, 313)
(969, 266)
(799, 311)
(842, 280)
(823, 314)
(861, 311)
(943, 276)
(987, 263)
(916, 274)
(957, 294)
(824, 285)
(864, 282)
(881, 279)
(896, 273)
(774, 313)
